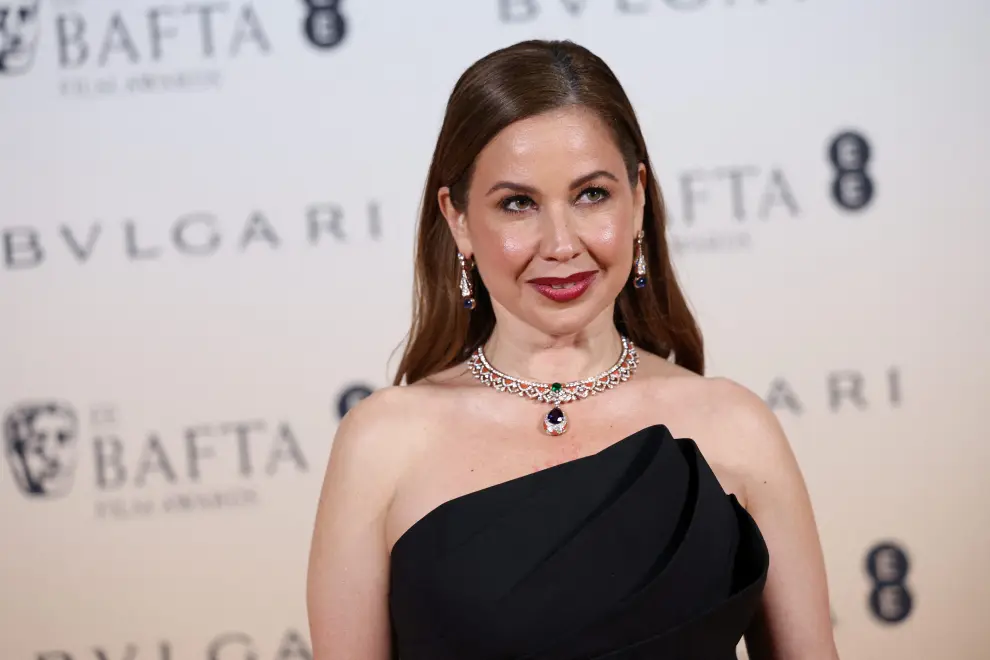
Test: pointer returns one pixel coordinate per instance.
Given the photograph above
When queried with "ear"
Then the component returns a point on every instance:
(639, 198)
(456, 221)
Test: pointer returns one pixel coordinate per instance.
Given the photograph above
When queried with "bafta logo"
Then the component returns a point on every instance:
(40, 440)
(18, 35)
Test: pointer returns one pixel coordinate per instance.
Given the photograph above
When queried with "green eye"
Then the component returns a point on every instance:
(595, 195)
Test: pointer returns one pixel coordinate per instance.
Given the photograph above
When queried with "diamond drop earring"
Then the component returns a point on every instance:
(639, 265)
(467, 290)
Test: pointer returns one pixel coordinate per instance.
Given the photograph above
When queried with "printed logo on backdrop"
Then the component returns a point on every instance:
(226, 646)
(129, 474)
(151, 47)
(838, 391)
(195, 235)
(18, 35)
(41, 445)
(524, 11)
(726, 208)
(890, 599)
(852, 187)
(350, 398)
(324, 25)
(719, 209)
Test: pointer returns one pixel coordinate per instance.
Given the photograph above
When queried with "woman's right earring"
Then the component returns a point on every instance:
(639, 265)
(467, 290)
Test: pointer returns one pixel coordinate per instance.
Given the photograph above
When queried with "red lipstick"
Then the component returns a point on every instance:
(564, 289)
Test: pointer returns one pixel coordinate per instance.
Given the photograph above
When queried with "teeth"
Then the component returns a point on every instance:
(562, 286)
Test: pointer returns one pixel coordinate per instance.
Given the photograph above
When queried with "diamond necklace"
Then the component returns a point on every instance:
(555, 421)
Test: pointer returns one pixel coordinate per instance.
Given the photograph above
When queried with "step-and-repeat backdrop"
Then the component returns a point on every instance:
(205, 258)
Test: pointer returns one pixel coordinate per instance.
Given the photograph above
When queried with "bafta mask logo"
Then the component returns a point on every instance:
(40, 440)
(18, 35)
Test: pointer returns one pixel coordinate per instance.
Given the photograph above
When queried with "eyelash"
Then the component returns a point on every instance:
(504, 204)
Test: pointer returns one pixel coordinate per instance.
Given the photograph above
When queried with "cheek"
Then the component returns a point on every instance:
(607, 241)
(606, 235)
(513, 246)
(505, 249)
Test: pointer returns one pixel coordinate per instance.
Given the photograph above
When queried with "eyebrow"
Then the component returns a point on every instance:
(520, 187)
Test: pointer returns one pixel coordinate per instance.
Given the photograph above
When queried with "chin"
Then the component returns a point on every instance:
(566, 321)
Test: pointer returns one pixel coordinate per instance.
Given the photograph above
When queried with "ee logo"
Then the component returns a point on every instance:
(324, 25)
(852, 186)
(890, 600)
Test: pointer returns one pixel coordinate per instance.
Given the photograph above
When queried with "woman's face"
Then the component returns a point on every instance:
(551, 220)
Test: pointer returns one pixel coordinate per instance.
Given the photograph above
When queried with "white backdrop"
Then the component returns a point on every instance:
(206, 254)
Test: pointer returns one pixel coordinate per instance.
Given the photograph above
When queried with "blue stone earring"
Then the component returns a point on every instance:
(467, 290)
(639, 265)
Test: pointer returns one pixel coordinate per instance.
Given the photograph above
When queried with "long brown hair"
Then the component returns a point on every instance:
(523, 80)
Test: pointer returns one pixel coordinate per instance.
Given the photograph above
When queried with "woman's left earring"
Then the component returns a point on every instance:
(639, 265)
(467, 290)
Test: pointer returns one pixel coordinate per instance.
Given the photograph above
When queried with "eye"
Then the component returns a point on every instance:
(517, 204)
(594, 194)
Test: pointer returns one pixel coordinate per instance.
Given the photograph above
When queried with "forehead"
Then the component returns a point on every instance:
(560, 144)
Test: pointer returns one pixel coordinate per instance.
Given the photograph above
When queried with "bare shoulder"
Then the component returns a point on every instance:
(383, 432)
(749, 431)
(379, 410)
(733, 423)
(376, 433)
(741, 409)
(369, 452)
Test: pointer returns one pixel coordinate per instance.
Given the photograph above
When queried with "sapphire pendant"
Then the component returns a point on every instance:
(555, 421)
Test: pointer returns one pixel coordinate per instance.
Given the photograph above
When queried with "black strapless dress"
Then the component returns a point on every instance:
(634, 552)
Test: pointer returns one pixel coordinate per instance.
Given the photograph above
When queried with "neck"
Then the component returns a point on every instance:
(523, 352)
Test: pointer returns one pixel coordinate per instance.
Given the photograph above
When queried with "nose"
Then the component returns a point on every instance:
(558, 241)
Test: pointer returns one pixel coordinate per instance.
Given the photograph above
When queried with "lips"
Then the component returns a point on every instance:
(564, 289)
(576, 277)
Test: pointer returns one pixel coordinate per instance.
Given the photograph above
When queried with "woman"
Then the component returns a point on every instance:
(551, 476)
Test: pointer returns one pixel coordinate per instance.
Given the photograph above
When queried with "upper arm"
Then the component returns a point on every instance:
(347, 581)
(794, 618)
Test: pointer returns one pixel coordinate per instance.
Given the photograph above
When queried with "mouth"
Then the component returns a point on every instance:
(564, 289)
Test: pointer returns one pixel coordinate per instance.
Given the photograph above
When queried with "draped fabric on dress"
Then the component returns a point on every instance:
(632, 552)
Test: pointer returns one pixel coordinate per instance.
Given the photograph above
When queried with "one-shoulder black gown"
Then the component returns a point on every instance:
(634, 552)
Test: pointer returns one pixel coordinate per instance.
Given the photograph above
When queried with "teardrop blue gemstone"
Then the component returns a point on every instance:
(555, 416)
